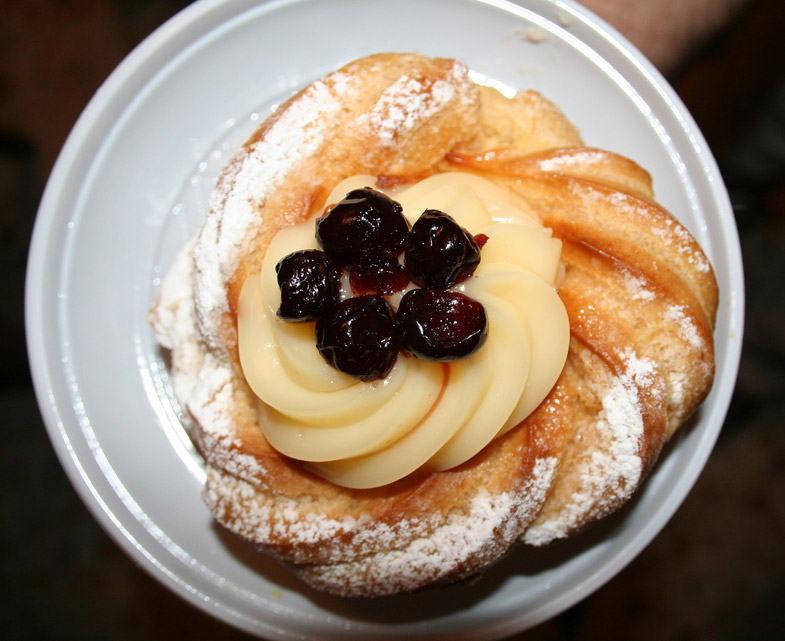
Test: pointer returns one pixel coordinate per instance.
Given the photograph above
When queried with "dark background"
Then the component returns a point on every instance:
(717, 570)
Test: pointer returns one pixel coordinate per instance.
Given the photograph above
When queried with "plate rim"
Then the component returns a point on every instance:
(175, 34)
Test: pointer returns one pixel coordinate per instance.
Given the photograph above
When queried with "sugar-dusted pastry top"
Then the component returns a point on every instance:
(639, 294)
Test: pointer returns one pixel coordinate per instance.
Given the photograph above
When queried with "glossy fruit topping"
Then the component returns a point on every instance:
(363, 226)
(310, 284)
(364, 236)
(358, 337)
(441, 325)
(439, 252)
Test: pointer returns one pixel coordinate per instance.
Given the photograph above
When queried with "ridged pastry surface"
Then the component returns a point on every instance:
(639, 292)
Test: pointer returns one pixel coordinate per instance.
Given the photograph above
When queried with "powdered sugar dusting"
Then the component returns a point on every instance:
(202, 383)
(232, 461)
(172, 316)
(666, 229)
(569, 161)
(608, 476)
(408, 102)
(298, 133)
(490, 525)
(434, 555)
(642, 371)
(688, 331)
(264, 518)
(673, 233)
(677, 384)
(636, 288)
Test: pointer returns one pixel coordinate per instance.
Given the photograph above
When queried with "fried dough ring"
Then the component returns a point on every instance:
(630, 380)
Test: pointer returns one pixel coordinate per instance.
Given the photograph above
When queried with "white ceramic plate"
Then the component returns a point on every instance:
(129, 189)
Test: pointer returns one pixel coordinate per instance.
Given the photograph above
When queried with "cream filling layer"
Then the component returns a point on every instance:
(423, 414)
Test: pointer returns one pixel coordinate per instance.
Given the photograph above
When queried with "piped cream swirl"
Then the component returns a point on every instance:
(423, 414)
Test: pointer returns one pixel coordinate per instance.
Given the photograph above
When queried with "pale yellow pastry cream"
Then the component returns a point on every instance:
(423, 414)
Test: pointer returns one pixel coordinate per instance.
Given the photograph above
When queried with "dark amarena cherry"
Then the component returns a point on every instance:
(358, 337)
(364, 225)
(310, 284)
(439, 252)
(440, 325)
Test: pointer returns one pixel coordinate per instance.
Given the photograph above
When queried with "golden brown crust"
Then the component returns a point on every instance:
(630, 379)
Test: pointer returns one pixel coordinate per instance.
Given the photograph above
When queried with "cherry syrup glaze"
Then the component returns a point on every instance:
(386, 277)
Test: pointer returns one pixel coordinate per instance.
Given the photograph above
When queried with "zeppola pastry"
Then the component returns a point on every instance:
(423, 323)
